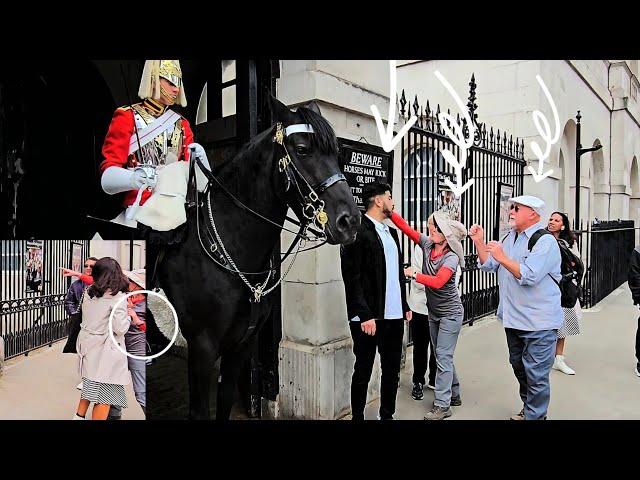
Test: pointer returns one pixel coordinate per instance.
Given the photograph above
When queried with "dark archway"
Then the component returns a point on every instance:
(53, 116)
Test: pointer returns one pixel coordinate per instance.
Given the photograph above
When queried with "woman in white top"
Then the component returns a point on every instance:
(560, 228)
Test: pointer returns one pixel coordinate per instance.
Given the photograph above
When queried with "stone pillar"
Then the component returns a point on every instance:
(619, 203)
(316, 359)
(634, 214)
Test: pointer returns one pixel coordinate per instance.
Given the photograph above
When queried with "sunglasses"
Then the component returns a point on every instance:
(86, 265)
(514, 207)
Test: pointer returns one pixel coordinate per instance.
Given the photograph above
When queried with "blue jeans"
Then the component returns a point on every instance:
(531, 355)
(444, 336)
(138, 369)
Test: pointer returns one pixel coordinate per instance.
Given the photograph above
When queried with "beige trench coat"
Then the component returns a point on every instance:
(99, 359)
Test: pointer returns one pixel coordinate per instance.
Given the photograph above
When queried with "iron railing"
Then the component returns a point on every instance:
(32, 306)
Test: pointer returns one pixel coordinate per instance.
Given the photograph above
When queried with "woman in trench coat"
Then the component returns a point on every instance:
(102, 366)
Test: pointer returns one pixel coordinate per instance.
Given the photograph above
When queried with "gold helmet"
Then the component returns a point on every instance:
(151, 74)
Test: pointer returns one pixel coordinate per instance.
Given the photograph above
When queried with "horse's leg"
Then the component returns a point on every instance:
(202, 356)
(230, 368)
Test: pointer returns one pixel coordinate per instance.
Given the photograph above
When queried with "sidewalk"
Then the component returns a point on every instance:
(42, 386)
(605, 385)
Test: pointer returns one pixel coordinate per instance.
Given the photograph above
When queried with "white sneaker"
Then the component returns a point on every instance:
(638, 369)
(79, 386)
(558, 364)
(77, 417)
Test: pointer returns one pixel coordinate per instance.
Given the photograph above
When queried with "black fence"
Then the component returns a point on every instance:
(605, 248)
(33, 290)
(494, 158)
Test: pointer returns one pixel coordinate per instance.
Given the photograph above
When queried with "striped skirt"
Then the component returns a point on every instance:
(571, 324)
(106, 393)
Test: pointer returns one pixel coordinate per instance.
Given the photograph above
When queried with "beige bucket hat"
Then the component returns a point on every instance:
(453, 231)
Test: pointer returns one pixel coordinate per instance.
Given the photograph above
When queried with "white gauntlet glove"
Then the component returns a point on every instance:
(200, 153)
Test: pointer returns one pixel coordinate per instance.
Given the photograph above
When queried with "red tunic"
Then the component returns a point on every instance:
(116, 148)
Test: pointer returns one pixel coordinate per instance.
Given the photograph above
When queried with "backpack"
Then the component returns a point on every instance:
(571, 269)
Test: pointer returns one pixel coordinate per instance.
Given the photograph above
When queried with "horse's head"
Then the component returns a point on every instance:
(314, 167)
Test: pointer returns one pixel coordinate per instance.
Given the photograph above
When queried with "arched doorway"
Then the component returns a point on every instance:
(53, 116)
(568, 159)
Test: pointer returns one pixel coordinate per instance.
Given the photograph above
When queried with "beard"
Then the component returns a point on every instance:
(387, 213)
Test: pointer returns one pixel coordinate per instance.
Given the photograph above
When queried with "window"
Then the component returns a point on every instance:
(12, 256)
(228, 88)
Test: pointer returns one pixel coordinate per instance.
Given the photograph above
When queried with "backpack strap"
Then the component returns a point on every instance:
(536, 236)
(532, 243)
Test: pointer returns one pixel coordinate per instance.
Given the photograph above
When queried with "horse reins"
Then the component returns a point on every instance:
(312, 208)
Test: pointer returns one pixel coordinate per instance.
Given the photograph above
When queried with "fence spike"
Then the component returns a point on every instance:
(403, 103)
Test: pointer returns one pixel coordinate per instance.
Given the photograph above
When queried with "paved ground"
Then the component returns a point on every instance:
(604, 387)
(42, 386)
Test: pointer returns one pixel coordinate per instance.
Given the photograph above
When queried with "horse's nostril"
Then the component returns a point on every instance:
(346, 222)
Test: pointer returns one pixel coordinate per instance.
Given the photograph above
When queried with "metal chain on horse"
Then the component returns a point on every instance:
(259, 290)
(208, 251)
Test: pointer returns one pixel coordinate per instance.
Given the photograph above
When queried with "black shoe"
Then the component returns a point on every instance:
(518, 416)
(417, 391)
(456, 401)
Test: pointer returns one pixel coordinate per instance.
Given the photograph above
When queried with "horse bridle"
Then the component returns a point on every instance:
(312, 208)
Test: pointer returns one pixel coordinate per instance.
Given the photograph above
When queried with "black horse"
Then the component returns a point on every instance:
(218, 313)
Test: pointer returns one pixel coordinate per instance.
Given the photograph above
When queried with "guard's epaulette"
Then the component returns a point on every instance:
(127, 107)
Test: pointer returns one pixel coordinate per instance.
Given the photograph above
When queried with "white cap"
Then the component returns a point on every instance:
(530, 201)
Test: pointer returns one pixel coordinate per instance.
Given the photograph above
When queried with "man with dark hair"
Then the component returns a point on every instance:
(71, 305)
(376, 304)
(634, 285)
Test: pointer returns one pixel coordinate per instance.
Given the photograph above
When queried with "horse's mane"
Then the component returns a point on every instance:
(324, 137)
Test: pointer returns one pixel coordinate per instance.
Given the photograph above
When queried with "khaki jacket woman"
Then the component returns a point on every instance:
(100, 360)
(102, 365)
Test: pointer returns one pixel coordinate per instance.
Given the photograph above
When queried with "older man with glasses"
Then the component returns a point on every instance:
(527, 261)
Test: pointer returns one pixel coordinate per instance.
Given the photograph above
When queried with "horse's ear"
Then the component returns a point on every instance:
(279, 111)
(313, 106)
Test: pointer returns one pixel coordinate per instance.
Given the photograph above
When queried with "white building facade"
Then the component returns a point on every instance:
(315, 354)
(604, 91)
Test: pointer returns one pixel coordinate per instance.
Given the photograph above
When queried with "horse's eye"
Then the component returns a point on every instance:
(302, 149)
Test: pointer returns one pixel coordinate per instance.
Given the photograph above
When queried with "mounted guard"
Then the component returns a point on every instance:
(146, 151)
